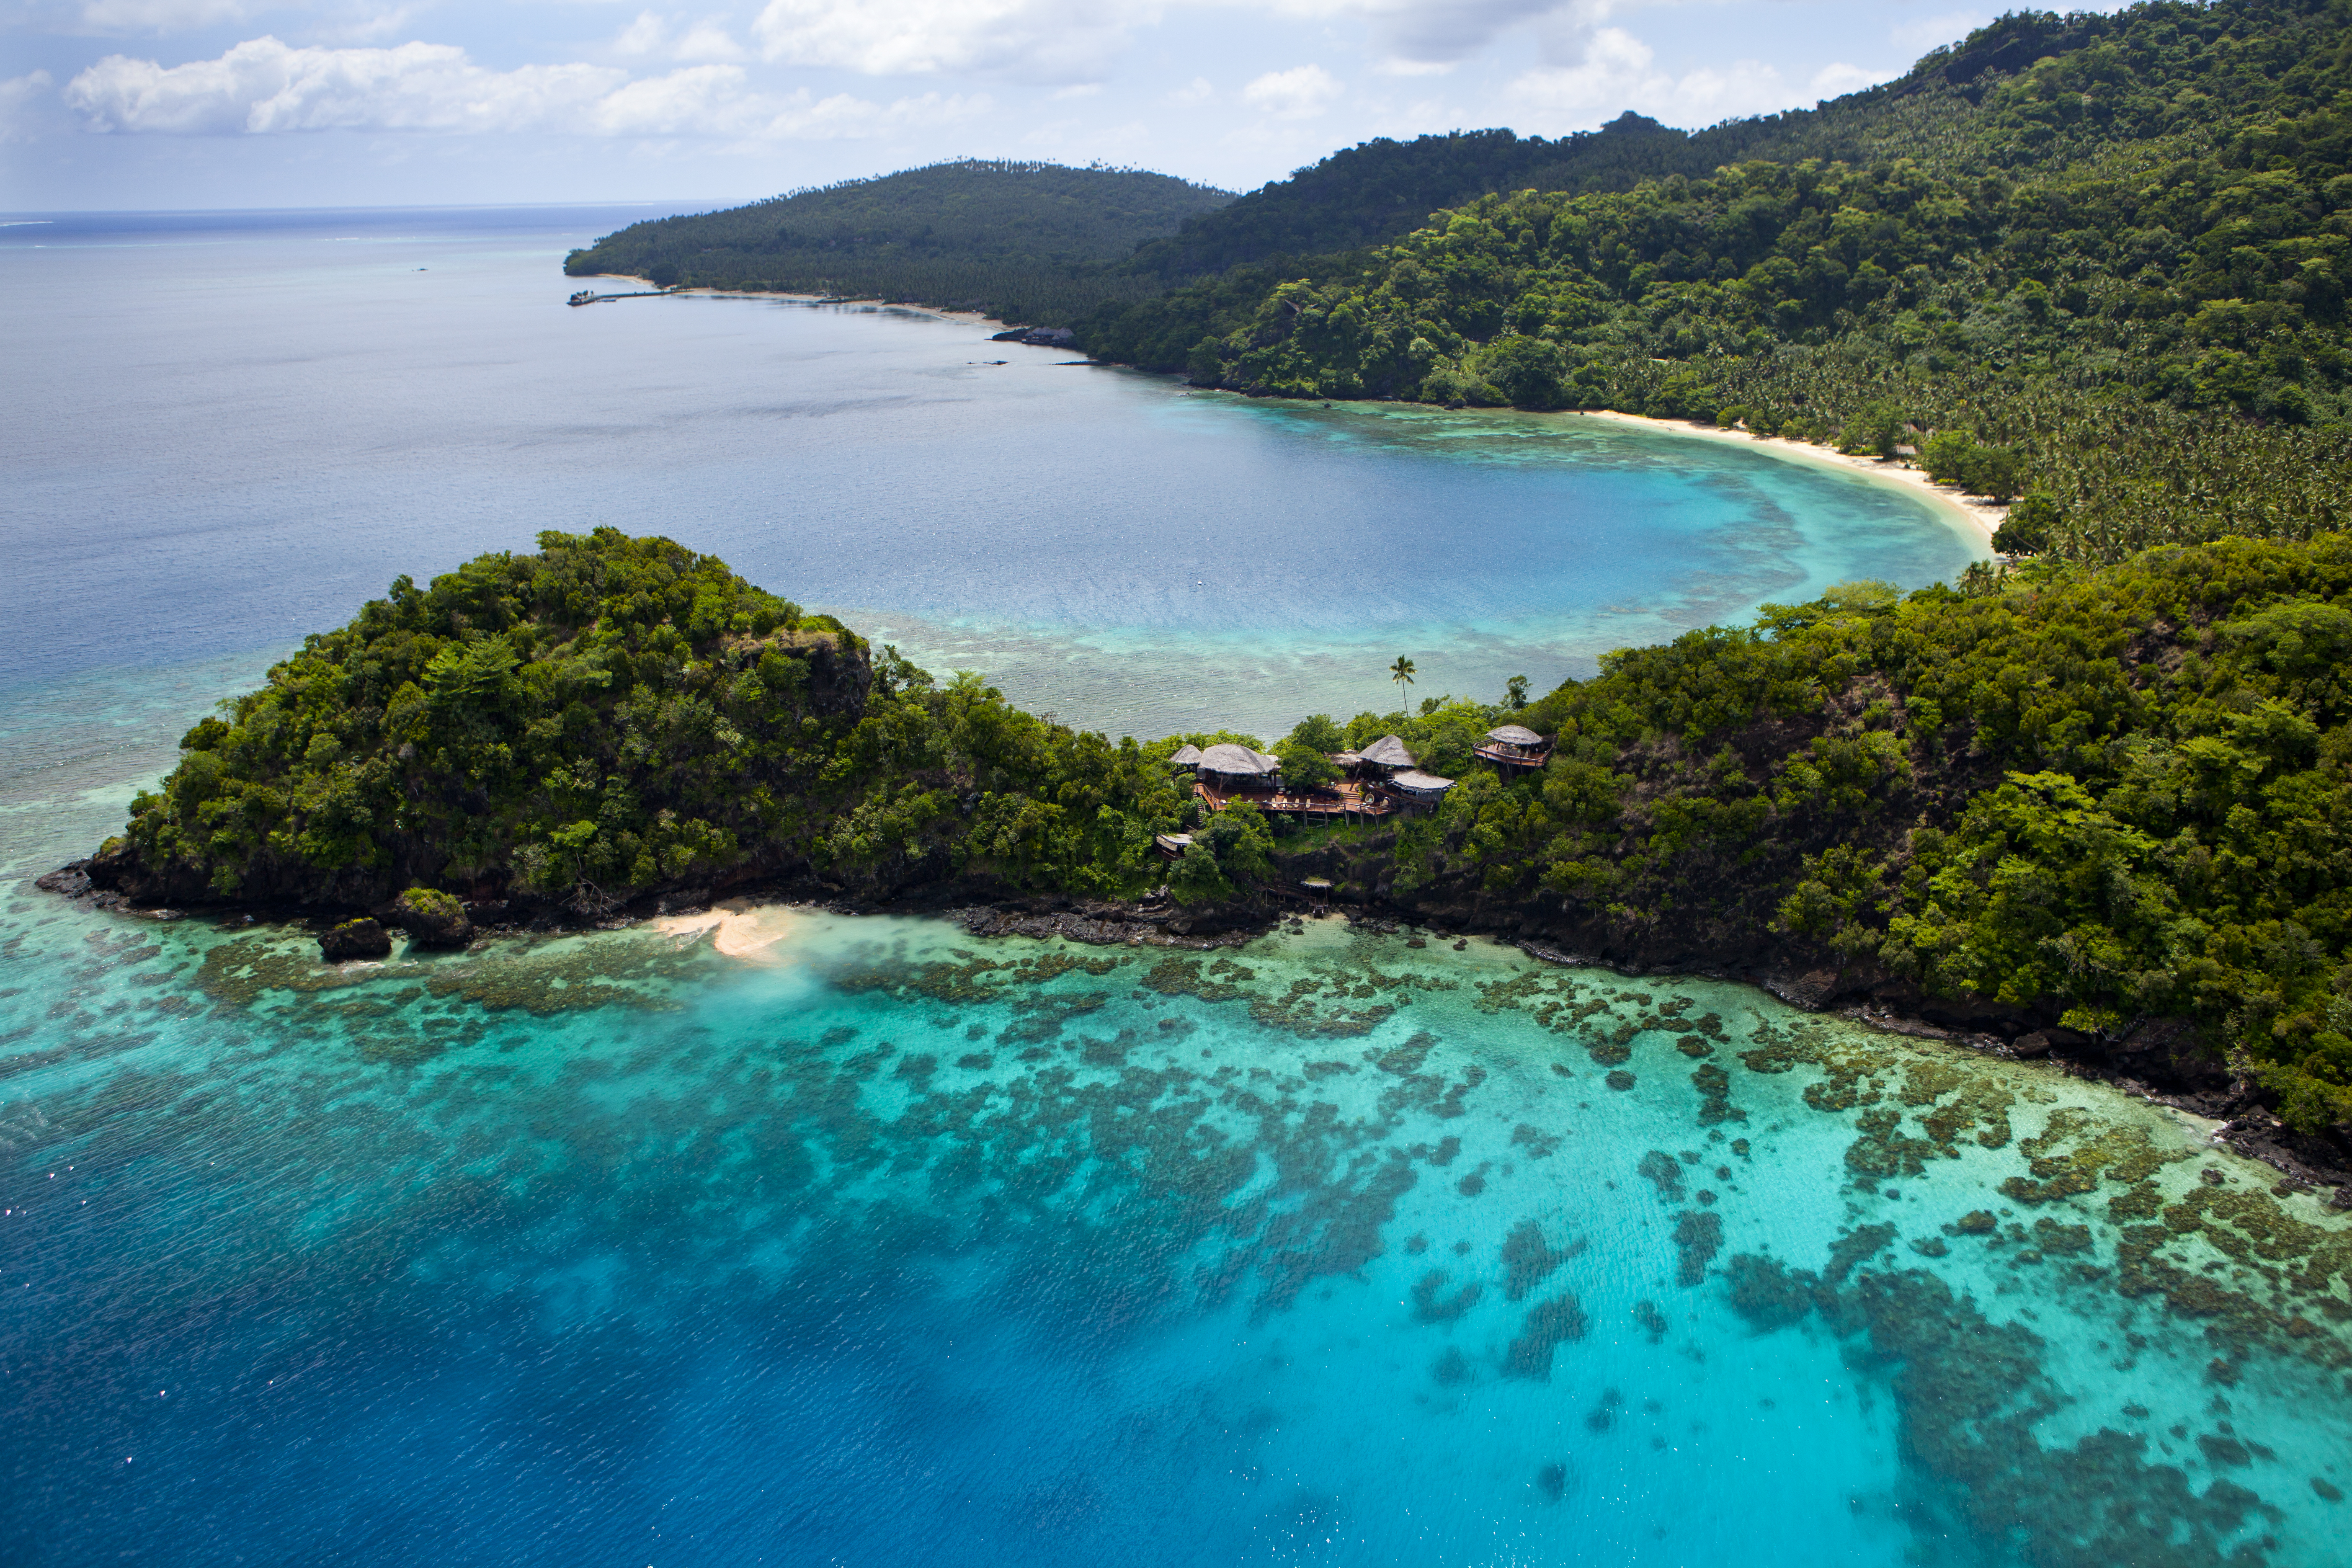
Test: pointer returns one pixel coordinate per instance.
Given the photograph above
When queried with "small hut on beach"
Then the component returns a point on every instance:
(1385, 756)
(1186, 756)
(1513, 746)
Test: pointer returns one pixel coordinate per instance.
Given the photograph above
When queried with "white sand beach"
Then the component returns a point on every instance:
(1979, 515)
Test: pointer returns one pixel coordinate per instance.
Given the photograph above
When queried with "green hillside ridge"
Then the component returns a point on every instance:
(2092, 798)
(1020, 241)
(2103, 259)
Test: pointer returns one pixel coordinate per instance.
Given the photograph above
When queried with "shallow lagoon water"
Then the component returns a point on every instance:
(904, 1248)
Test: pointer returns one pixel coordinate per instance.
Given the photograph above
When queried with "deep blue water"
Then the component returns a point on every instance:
(880, 1245)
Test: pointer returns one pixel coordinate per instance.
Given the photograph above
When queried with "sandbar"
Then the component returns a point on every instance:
(739, 928)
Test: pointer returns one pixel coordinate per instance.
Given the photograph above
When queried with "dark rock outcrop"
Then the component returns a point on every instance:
(362, 938)
(1043, 337)
(432, 919)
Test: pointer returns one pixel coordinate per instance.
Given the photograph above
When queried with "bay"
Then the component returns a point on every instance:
(238, 434)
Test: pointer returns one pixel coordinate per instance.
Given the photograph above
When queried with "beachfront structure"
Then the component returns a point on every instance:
(1186, 756)
(1511, 746)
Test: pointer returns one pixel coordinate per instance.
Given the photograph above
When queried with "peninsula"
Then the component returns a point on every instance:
(2104, 809)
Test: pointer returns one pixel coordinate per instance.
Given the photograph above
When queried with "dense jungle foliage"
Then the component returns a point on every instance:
(2110, 794)
(610, 715)
(2103, 260)
(1026, 242)
(2123, 791)
(1384, 189)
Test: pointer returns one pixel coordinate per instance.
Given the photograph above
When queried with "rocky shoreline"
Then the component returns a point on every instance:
(2157, 1060)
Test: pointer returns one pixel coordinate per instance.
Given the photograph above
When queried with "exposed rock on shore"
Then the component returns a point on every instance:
(360, 938)
(432, 919)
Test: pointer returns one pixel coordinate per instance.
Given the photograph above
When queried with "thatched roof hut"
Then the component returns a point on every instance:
(1186, 756)
(1387, 751)
(1425, 786)
(1237, 762)
(1513, 746)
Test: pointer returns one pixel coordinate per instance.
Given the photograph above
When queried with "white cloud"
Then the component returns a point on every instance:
(1299, 93)
(1433, 32)
(263, 86)
(1618, 72)
(642, 37)
(1926, 33)
(704, 42)
(161, 16)
(1194, 94)
(714, 100)
(708, 41)
(22, 100)
(1838, 79)
(1042, 40)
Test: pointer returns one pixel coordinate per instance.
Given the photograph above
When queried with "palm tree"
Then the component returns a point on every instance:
(1401, 673)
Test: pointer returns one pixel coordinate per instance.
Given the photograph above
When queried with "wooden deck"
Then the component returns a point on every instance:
(1346, 800)
(1507, 757)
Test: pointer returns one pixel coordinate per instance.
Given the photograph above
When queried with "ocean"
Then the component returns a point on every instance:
(882, 1245)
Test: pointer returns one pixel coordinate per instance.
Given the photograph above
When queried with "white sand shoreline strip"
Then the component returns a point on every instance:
(1976, 517)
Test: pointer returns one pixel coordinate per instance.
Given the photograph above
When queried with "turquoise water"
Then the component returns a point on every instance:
(900, 1247)
(240, 432)
(894, 1247)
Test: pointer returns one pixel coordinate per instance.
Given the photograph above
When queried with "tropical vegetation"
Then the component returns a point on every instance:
(2091, 795)
(2099, 261)
(1021, 241)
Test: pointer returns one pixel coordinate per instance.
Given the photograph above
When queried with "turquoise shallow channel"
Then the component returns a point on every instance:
(809, 1240)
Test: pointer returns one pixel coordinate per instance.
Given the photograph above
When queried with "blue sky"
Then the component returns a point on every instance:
(263, 103)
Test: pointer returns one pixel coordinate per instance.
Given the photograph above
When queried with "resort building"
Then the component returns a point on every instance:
(1226, 773)
(1419, 788)
(1512, 746)
(1384, 757)
(1236, 768)
(1186, 756)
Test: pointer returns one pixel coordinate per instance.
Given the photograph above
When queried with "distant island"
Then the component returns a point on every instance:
(2101, 810)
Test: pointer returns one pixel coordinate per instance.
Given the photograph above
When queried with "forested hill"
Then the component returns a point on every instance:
(1022, 241)
(2101, 261)
(1384, 189)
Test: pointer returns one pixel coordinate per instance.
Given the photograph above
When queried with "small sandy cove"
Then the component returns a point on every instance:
(741, 929)
(1980, 516)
